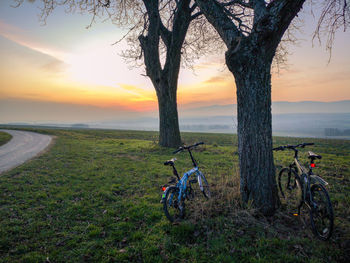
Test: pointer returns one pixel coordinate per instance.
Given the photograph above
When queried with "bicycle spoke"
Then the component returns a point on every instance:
(173, 208)
(322, 214)
(290, 189)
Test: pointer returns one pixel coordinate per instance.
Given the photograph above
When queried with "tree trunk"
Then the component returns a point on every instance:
(165, 78)
(257, 172)
(169, 132)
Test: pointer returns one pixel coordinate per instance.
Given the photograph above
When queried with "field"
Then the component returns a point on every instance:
(4, 137)
(95, 197)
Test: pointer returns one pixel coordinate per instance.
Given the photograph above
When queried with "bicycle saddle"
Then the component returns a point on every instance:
(170, 162)
(312, 155)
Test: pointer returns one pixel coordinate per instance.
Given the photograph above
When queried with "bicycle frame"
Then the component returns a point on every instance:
(301, 169)
(305, 178)
(182, 184)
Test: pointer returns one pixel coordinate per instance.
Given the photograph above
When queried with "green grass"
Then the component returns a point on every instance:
(4, 137)
(95, 197)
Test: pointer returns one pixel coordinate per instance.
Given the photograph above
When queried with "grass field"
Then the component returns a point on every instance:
(95, 197)
(4, 137)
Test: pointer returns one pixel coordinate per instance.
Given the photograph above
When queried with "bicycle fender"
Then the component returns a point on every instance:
(200, 183)
(317, 179)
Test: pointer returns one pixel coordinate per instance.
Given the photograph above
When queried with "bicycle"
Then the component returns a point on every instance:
(174, 196)
(299, 186)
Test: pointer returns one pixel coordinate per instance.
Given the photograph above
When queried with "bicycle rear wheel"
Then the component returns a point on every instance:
(321, 212)
(290, 188)
(204, 186)
(174, 208)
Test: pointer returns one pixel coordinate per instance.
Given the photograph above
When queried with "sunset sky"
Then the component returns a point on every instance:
(63, 62)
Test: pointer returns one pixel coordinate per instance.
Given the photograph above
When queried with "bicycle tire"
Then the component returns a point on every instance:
(290, 188)
(204, 186)
(322, 219)
(173, 209)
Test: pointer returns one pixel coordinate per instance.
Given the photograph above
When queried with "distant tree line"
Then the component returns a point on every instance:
(202, 127)
(336, 132)
(80, 125)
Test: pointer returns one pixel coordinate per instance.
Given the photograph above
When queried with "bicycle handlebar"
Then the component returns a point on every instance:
(279, 148)
(292, 147)
(180, 149)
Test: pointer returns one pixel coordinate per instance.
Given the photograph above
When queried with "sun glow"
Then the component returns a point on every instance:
(92, 68)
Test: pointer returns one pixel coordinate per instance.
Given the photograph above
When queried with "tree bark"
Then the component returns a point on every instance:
(169, 132)
(251, 70)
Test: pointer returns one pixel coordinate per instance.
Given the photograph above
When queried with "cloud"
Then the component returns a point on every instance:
(210, 65)
(55, 66)
(215, 79)
(139, 93)
(41, 57)
(7, 28)
(18, 35)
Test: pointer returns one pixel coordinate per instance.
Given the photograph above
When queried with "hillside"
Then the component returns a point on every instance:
(94, 197)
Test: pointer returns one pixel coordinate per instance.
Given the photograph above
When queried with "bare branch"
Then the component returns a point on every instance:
(124, 36)
(193, 7)
(218, 18)
(335, 15)
(165, 34)
(194, 16)
(238, 2)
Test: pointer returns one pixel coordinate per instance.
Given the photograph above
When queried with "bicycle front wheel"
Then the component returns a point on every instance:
(321, 212)
(204, 186)
(173, 206)
(290, 188)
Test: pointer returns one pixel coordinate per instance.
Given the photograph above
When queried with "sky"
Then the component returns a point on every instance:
(65, 67)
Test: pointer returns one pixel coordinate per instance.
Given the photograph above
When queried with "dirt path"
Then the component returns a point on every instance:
(22, 147)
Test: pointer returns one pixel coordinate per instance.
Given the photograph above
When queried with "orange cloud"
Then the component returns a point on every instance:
(219, 89)
(311, 85)
(216, 80)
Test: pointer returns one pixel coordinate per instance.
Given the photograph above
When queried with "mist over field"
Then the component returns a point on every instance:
(296, 119)
(294, 125)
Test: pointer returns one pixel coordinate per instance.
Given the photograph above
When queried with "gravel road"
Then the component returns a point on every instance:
(22, 147)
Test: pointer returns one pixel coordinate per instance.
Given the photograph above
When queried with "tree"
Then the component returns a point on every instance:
(160, 27)
(252, 31)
